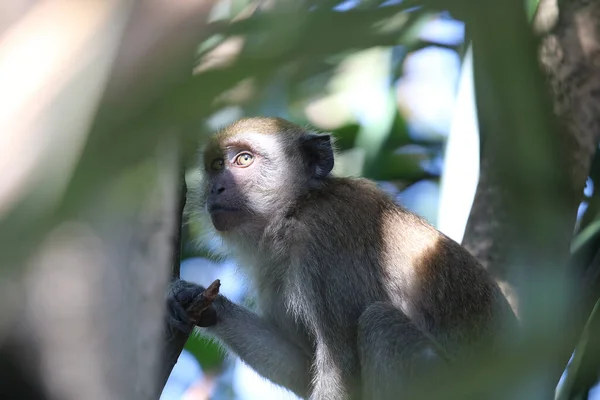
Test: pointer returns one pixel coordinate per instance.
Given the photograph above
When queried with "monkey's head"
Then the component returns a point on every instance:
(255, 168)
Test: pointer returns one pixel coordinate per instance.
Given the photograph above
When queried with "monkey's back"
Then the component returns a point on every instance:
(383, 252)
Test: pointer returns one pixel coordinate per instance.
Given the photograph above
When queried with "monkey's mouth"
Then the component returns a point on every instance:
(225, 218)
(219, 208)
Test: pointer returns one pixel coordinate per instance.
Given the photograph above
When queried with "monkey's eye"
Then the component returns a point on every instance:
(217, 164)
(243, 159)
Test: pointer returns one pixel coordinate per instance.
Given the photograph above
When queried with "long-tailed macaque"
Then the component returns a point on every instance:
(356, 295)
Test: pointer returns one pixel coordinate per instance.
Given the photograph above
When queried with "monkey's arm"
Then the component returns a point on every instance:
(262, 346)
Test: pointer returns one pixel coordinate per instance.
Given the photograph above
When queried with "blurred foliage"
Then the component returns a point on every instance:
(338, 67)
(304, 61)
(582, 372)
(208, 354)
(277, 62)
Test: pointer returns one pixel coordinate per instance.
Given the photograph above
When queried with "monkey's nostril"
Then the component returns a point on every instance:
(217, 189)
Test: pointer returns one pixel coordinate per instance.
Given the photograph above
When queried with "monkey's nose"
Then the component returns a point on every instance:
(218, 190)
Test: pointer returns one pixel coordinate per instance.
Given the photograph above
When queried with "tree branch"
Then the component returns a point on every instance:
(525, 207)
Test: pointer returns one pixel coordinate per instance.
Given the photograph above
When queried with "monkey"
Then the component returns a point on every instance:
(357, 296)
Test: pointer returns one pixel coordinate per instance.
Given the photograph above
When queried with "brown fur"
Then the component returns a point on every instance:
(353, 289)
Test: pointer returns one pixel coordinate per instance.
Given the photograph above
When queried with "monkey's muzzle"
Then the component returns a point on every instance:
(225, 218)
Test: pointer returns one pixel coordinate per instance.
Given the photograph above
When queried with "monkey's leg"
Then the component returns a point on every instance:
(332, 381)
(394, 353)
(262, 346)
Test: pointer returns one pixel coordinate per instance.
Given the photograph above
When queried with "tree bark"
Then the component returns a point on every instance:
(533, 169)
(86, 221)
(569, 53)
(524, 210)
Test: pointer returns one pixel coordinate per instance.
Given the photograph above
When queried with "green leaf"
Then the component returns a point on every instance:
(207, 352)
(531, 7)
(583, 369)
(345, 137)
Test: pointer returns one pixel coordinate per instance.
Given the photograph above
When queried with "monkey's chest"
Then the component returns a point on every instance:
(282, 309)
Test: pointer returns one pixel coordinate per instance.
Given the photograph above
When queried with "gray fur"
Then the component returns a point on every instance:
(356, 295)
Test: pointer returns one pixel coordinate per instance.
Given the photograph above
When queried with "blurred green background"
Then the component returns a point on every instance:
(391, 80)
(415, 93)
(381, 79)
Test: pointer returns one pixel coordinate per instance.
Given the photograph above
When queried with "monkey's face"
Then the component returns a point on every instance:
(247, 177)
(257, 168)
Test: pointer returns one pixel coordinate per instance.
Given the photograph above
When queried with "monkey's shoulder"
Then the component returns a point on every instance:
(355, 219)
(343, 195)
(343, 186)
(356, 205)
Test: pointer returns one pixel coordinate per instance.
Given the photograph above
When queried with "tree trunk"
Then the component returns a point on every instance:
(531, 180)
(86, 220)
(569, 54)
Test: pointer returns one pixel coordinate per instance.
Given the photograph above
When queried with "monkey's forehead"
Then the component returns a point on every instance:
(262, 125)
(249, 140)
(261, 132)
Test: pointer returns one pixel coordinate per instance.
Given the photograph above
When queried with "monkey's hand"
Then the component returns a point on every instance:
(190, 304)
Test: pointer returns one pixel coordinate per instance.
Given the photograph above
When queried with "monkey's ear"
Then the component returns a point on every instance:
(318, 153)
